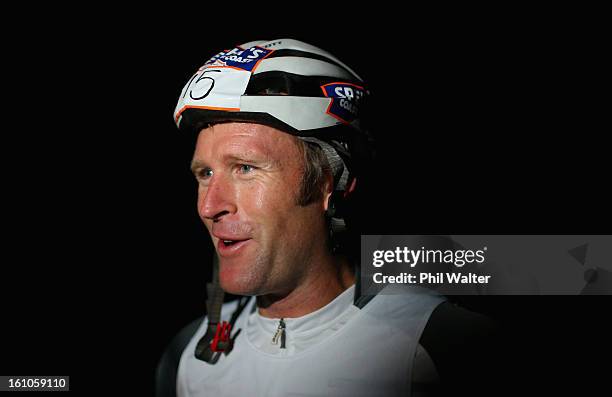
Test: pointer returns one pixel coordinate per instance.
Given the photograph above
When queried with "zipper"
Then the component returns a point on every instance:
(280, 333)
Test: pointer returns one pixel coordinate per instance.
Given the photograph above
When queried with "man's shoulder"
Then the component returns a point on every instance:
(445, 319)
(399, 301)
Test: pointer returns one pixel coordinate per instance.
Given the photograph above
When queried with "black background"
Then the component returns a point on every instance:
(485, 125)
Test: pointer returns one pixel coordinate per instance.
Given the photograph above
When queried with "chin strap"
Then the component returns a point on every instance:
(217, 339)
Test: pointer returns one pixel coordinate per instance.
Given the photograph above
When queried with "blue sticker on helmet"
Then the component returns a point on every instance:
(245, 59)
(345, 100)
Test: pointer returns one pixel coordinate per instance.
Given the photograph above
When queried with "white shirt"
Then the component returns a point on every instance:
(338, 349)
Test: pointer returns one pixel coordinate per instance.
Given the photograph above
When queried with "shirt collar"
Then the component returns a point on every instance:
(301, 331)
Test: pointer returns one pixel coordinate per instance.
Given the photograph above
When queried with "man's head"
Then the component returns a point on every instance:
(262, 196)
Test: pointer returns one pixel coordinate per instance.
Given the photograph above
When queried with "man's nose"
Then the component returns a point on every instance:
(216, 200)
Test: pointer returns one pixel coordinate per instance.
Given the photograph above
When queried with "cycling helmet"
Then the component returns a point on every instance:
(286, 84)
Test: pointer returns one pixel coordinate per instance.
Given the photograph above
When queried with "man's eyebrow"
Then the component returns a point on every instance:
(257, 157)
(246, 156)
(197, 164)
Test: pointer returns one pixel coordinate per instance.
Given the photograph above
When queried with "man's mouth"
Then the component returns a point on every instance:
(227, 243)
(230, 247)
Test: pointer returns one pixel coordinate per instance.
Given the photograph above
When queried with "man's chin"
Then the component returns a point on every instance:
(235, 282)
(237, 289)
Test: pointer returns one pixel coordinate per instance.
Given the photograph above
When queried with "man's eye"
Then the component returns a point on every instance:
(245, 168)
(205, 173)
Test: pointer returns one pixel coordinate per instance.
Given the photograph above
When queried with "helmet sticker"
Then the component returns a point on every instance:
(221, 81)
(345, 100)
(239, 58)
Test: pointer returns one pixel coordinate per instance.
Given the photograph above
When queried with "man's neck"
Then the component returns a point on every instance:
(312, 294)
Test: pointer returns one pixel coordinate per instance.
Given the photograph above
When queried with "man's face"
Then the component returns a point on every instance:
(249, 177)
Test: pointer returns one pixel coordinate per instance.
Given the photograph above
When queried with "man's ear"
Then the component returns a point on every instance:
(350, 187)
(328, 189)
(329, 184)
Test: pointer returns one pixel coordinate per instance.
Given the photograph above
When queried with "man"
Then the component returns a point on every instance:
(280, 137)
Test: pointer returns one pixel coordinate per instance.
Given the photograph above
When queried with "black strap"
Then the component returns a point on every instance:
(167, 368)
(360, 300)
(214, 302)
(363, 300)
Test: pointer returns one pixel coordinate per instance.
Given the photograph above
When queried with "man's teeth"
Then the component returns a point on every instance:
(230, 242)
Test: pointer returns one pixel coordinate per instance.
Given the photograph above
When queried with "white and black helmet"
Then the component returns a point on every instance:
(286, 84)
